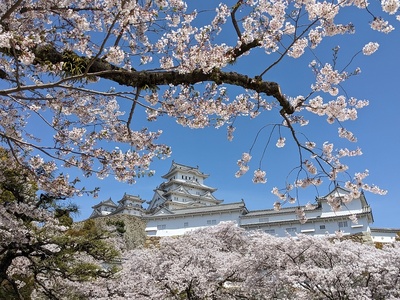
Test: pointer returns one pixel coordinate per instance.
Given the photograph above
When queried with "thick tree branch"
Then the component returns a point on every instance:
(238, 51)
(8, 13)
(104, 69)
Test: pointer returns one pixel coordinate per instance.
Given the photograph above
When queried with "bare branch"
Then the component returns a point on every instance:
(132, 109)
(233, 17)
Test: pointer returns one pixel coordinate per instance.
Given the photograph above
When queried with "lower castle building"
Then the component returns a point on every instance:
(184, 202)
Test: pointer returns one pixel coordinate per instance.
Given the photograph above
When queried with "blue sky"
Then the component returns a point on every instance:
(377, 130)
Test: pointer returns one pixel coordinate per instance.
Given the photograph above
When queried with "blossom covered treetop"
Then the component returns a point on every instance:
(60, 59)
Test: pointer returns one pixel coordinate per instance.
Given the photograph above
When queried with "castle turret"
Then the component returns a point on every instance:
(184, 187)
(130, 205)
(104, 208)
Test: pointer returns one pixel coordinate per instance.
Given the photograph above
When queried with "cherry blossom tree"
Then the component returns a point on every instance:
(226, 262)
(40, 250)
(68, 66)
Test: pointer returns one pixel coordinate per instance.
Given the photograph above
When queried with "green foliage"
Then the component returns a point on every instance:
(16, 184)
(93, 240)
(54, 250)
(7, 290)
(152, 88)
(63, 217)
(73, 64)
(119, 225)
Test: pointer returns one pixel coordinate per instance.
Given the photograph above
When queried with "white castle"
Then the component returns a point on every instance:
(183, 202)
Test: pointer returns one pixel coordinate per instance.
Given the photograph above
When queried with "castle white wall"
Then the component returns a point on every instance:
(180, 224)
(383, 237)
(354, 207)
(312, 227)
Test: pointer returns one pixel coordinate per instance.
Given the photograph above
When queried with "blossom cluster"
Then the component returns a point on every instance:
(327, 79)
(132, 44)
(281, 142)
(225, 262)
(301, 215)
(284, 196)
(243, 164)
(370, 48)
(381, 25)
(310, 167)
(259, 176)
(390, 6)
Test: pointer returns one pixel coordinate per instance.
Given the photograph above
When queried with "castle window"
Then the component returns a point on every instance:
(343, 224)
(211, 222)
(321, 226)
(162, 226)
(291, 230)
(186, 224)
(269, 231)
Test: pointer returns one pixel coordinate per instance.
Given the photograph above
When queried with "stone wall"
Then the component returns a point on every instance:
(130, 228)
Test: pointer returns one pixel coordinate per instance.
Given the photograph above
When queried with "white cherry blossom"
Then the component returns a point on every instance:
(370, 48)
(87, 70)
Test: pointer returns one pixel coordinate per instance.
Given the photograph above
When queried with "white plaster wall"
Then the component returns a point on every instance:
(354, 206)
(274, 217)
(383, 237)
(314, 227)
(132, 212)
(176, 226)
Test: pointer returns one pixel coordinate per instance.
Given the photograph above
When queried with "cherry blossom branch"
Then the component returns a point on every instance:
(76, 43)
(267, 144)
(9, 12)
(300, 146)
(103, 69)
(44, 149)
(233, 17)
(295, 39)
(243, 48)
(128, 123)
(103, 43)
